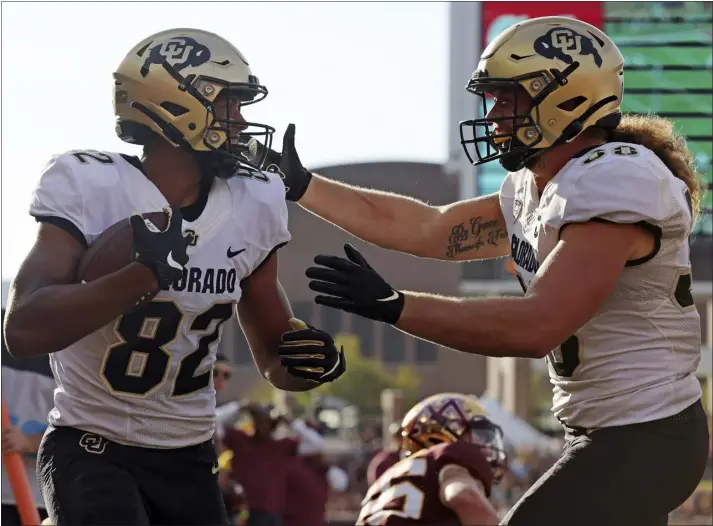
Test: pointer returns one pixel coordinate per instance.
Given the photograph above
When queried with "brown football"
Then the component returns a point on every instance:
(114, 248)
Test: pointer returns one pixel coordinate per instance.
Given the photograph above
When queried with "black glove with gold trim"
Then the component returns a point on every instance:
(311, 354)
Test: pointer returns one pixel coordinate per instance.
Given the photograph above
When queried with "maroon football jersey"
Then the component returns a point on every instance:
(408, 492)
(382, 461)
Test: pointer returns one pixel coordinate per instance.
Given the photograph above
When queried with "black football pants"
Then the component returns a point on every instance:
(86, 479)
(635, 474)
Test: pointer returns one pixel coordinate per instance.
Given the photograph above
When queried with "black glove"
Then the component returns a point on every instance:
(353, 286)
(163, 252)
(311, 354)
(287, 164)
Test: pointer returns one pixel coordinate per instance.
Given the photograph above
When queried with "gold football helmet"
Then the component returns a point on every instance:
(448, 417)
(185, 85)
(561, 75)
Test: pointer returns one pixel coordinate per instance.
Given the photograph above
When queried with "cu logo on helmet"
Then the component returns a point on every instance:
(562, 43)
(176, 50)
(180, 52)
(566, 40)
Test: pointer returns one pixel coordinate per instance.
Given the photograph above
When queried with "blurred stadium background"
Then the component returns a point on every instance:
(669, 59)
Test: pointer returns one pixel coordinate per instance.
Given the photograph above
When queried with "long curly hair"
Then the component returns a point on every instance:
(658, 135)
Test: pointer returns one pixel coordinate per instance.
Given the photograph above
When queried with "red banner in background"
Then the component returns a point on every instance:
(498, 16)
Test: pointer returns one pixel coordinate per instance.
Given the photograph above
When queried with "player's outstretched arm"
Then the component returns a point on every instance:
(462, 231)
(47, 311)
(264, 313)
(465, 495)
(569, 288)
(472, 229)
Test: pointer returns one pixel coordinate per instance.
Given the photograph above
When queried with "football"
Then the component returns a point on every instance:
(114, 248)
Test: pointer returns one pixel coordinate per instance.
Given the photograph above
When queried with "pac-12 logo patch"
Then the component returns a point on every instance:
(516, 209)
(593, 156)
(562, 43)
(93, 443)
(626, 151)
(180, 52)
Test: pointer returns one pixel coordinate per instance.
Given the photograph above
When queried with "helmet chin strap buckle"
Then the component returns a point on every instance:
(561, 76)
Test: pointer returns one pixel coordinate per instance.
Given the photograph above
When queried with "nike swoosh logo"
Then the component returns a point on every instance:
(394, 296)
(333, 368)
(172, 262)
(232, 254)
(215, 469)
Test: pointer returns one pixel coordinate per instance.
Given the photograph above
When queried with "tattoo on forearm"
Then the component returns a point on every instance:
(475, 236)
(458, 241)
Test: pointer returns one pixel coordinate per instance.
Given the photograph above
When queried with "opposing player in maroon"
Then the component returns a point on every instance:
(452, 454)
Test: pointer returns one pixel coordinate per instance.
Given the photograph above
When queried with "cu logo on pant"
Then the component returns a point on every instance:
(93, 443)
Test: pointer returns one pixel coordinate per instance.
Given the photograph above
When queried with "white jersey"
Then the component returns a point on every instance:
(145, 379)
(635, 360)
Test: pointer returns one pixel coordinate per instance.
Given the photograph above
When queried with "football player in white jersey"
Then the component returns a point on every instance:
(596, 213)
(130, 437)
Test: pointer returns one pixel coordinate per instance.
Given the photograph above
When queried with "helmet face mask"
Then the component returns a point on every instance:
(515, 125)
(230, 132)
(562, 75)
(489, 437)
(184, 85)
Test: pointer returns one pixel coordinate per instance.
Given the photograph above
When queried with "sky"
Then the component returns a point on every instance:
(361, 81)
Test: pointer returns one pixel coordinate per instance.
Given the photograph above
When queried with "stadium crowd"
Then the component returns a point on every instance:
(342, 480)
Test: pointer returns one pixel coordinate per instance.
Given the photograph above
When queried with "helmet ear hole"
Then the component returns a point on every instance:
(174, 109)
(572, 104)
